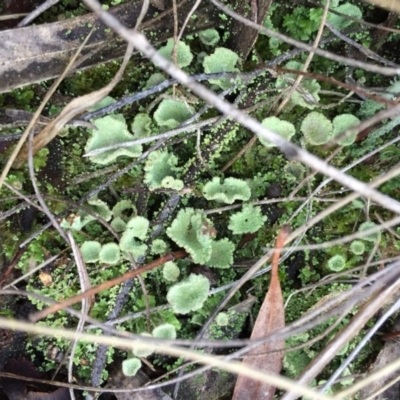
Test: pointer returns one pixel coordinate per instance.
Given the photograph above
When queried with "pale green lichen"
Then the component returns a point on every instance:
(189, 294)
(90, 251)
(221, 254)
(193, 231)
(165, 331)
(159, 246)
(155, 79)
(111, 130)
(249, 220)
(365, 227)
(340, 22)
(118, 224)
(143, 352)
(161, 170)
(342, 123)
(307, 95)
(227, 192)
(316, 128)
(124, 209)
(131, 366)
(357, 247)
(183, 54)
(171, 113)
(222, 319)
(281, 127)
(222, 60)
(294, 171)
(141, 126)
(106, 101)
(171, 271)
(139, 226)
(209, 37)
(129, 243)
(109, 253)
(337, 263)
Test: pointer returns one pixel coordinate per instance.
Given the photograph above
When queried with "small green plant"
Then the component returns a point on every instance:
(302, 22)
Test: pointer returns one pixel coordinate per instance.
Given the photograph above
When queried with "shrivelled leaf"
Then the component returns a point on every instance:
(271, 317)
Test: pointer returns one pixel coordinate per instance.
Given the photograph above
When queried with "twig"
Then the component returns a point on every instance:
(37, 11)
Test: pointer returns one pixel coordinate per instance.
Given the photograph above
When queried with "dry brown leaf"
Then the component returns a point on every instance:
(271, 317)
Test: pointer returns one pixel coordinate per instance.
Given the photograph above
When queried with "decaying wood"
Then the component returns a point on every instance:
(36, 53)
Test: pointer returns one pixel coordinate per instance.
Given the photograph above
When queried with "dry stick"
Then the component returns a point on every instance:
(107, 285)
(85, 307)
(11, 16)
(37, 11)
(37, 113)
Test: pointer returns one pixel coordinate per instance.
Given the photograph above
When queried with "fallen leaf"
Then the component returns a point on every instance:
(271, 317)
